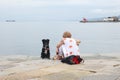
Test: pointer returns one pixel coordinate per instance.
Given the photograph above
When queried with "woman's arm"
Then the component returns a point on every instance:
(60, 43)
(58, 46)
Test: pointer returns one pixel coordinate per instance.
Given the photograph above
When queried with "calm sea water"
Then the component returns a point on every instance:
(25, 37)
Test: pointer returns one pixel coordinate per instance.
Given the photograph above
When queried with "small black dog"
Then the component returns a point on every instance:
(45, 49)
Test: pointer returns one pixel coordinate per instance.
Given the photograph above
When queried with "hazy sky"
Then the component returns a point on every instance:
(37, 10)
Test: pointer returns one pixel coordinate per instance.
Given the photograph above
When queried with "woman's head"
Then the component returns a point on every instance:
(67, 34)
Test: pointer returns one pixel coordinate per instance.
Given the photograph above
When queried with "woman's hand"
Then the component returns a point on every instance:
(78, 42)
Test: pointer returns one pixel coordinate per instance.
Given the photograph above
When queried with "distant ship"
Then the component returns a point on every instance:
(106, 19)
(10, 21)
(111, 19)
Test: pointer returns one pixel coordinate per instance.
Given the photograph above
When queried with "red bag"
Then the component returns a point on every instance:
(73, 59)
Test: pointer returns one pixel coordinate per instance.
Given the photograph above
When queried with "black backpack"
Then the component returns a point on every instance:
(73, 59)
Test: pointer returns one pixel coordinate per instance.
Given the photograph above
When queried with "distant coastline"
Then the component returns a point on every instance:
(98, 21)
(104, 19)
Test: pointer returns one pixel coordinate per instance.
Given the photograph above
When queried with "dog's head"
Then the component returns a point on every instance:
(45, 43)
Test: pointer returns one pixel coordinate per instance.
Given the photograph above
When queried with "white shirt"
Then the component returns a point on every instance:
(70, 47)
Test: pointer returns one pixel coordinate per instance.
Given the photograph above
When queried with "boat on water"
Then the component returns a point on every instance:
(10, 21)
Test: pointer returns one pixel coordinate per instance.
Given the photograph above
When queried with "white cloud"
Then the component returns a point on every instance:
(42, 2)
(20, 3)
(47, 8)
(104, 11)
(59, 2)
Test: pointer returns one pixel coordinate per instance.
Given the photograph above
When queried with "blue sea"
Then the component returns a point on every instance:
(24, 38)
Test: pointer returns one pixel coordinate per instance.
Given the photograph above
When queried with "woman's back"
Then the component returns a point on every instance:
(70, 47)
